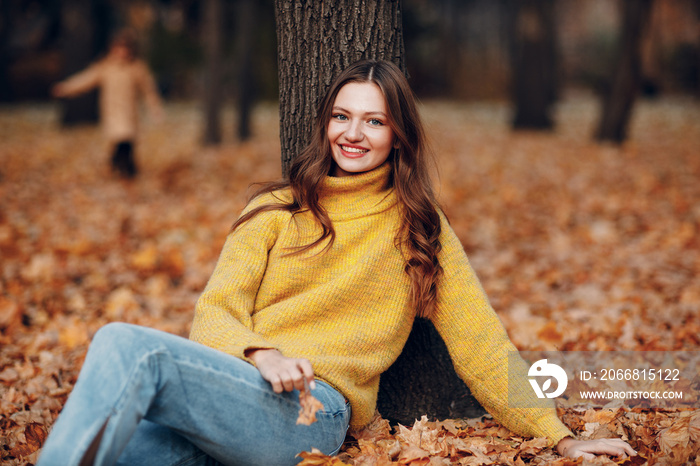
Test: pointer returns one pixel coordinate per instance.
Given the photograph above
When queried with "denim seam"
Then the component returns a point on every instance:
(122, 397)
(130, 379)
(278, 396)
(87, 439)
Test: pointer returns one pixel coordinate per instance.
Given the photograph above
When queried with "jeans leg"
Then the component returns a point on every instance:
(153, 443)
(217, 402)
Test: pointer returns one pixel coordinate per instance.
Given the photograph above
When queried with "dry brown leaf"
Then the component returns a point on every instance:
(674, 441)
(453, 426)
(412, 453)
(9, 312)
(9, 375)
(316, 458)
(477, 459)
(309, 406)
(637, 460)
(34, 435)
(377, 429)
(74, 333)
(533, 447)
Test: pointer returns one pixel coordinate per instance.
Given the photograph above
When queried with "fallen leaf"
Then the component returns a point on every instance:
(309, 406)
(533, 447)
(316, 458)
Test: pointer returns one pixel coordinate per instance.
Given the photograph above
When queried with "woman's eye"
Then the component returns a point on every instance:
(339, 116)
(375, 122)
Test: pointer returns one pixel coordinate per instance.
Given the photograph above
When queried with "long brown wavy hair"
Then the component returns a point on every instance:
(418, 236)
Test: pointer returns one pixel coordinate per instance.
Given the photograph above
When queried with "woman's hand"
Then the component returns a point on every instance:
(283, 373)
(588, 449)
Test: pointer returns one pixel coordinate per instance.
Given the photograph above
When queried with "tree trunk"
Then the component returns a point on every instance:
(6, 11)
(78, 44)
(696, 4)
(627, 77)
(534, 78)
(315, 43)
(246, 27)
(423, 381)
(212, 38)
(317, 40)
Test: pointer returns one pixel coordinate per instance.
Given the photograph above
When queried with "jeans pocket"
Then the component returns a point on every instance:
(348, 415)
(338, 422)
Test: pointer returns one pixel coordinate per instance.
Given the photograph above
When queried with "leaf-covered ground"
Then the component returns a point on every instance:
(580, 246)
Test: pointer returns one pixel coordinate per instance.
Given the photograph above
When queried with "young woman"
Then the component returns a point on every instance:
(318, 283)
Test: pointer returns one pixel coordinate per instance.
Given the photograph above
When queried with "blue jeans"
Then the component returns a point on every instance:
(165, 400)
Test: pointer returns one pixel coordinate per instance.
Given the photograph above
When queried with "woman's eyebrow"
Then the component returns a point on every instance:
(377, 112)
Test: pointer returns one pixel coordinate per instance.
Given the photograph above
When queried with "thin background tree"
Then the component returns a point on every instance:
(627, 76)
(533, 54)
(212, 38)
(84, 30)
(246, 15)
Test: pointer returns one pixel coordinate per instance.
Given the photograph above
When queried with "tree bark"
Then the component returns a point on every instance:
(78, 44)
(316, 42)
(423, 381)
(212, 27)
(627, 76)
(534, 78)
(246, 21)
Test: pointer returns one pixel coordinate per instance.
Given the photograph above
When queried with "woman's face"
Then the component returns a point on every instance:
(358, 131)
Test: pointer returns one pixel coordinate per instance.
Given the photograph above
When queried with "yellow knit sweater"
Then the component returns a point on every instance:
(347, 310)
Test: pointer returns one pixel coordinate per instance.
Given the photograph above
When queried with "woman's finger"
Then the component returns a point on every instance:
(296, 378)
(617, 447)
(288, 379)
(626, 447)
(589, 448)
(275, 381)
(308, 373)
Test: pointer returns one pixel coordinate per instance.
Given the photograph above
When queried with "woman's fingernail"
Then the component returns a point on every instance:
(312, 385)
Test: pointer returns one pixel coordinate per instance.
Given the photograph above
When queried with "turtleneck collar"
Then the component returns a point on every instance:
(347, 197)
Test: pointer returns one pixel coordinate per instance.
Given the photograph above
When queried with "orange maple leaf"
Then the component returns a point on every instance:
(309, 406)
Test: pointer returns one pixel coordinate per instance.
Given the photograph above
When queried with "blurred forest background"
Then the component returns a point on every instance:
(580, 244)
(457, 49)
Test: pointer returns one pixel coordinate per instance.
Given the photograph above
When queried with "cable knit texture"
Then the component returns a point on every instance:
(348, 309)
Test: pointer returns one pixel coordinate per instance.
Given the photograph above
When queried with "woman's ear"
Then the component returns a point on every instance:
(397, 144)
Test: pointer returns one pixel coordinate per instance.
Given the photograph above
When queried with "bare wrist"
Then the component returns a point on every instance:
(564, 445)
(255, 354)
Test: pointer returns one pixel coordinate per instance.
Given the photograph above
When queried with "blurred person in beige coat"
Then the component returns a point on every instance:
(123, 80)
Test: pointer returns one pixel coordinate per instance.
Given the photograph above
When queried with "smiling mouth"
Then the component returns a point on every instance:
(353, 150)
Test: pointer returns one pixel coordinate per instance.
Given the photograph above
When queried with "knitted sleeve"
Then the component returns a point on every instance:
(223, 314)
(479, 345)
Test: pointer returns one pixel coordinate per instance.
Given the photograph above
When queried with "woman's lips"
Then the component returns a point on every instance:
(351, 151)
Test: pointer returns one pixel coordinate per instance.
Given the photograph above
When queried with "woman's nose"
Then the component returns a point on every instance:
(354, 131)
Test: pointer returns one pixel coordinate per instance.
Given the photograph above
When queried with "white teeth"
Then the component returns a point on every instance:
(354, 150)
